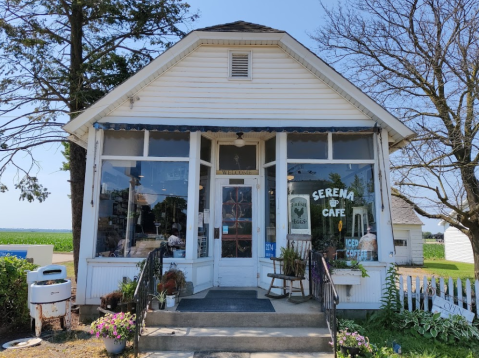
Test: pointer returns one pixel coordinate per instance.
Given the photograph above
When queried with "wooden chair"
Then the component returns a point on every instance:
(302, 245)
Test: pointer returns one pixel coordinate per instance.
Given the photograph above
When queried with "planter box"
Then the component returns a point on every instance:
(346, 277)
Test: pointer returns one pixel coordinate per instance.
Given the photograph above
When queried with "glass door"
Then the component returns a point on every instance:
(236, 245)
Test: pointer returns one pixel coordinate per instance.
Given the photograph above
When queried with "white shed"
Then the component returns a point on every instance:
(457, 246)
(407, 229)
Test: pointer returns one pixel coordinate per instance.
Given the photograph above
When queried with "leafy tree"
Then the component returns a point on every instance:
(420, 59)
(57, 57)
(426, 235)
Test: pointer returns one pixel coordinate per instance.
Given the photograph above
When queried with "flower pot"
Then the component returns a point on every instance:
(170, 300)
(162, 305)
(353, 351)
(114, 346)
(155, 305)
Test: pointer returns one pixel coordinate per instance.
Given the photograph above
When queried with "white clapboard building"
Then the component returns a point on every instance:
(230, 140)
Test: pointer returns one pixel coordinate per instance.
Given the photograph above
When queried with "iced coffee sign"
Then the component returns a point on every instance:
(333, 195)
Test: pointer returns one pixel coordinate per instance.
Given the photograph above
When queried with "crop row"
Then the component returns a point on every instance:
(62, 242)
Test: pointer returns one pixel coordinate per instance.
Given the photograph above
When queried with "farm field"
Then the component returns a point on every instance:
(62, 242)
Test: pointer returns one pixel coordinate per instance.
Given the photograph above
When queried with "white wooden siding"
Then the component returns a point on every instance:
(198, 87)
(457, 246)
(414, 232)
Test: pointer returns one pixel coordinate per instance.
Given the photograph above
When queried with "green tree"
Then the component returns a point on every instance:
(57, 57)
(420, 59)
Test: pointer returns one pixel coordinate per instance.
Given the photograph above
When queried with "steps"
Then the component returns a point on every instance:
(235, 332)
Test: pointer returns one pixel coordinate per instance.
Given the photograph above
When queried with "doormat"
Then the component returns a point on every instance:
(232, 294)
(225, 305)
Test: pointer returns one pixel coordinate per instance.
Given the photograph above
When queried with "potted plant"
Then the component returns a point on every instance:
(351, 344)
(158, 301)
(128, 288)
(171, 282)
(115, 330)
(292, 263)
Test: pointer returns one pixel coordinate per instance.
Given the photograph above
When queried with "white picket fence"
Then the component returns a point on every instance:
(417, 293)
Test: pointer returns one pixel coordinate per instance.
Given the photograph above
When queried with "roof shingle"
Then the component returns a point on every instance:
(240, 26)
(403, 213)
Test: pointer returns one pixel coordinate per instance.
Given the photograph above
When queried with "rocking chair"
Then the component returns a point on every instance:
(301, 243)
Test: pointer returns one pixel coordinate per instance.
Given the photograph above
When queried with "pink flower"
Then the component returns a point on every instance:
(119, 336)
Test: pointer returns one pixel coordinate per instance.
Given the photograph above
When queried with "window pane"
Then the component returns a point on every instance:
(308, 146)
(353, 146)
(205, 151)
(335, 204)
(141, 205)
(270, 211)
(234, 158)
(167, 144)
(123, 143)
(270, 150)
(203, 209)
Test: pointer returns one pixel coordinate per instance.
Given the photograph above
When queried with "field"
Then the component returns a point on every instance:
(433, 251)
(62, 242)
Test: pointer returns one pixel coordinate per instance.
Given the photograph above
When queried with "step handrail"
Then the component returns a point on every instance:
(146, 288)
(323, 290)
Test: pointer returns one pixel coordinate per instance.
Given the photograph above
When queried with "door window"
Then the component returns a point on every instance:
(236, 238)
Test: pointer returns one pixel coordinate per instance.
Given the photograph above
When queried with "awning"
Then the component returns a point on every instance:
(189, 128)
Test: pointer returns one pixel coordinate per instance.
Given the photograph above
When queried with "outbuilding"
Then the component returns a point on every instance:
(224, 144)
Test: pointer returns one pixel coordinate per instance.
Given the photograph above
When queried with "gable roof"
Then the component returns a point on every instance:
(239, 26)
(403, 213)
(239, 33)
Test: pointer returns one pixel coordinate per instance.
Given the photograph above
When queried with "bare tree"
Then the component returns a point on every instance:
(420, 59)
(57, 57)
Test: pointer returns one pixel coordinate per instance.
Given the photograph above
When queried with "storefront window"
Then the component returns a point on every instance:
(353, 146)
(141, 204)
(270, 150)
(204, 211)
(240, 161)
(308, 146)
(166, 144)
(270, 211)
(123, 143)
(335, 204)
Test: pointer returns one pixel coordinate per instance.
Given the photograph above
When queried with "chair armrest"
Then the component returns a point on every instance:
(276, 258)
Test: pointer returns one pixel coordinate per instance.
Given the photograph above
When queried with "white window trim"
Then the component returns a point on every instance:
(250, 67)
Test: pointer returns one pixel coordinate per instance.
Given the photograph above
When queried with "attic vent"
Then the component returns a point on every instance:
(240, 65)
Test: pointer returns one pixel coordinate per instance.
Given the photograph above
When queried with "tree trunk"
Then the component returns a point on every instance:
(77, 153)
(77, 185)
(474, 238)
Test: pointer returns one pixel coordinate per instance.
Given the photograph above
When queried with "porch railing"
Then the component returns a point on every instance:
(146, 288)
(323, 290)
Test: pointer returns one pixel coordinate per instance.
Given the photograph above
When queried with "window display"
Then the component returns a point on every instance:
(141, 205)
(335, 203)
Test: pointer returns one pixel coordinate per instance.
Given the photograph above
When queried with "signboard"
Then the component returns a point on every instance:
(447, 309)
(299, 214)
(237, 172)
(21, 254)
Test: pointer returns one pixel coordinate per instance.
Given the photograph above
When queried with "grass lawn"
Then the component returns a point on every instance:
(446, 269)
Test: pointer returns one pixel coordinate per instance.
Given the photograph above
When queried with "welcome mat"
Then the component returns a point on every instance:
(226, 301)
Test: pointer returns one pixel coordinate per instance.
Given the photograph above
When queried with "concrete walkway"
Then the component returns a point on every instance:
(59, 258)
(235, 355)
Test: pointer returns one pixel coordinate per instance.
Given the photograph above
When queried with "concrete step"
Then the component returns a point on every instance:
(177, 354)
(228, 319)
(235, 339)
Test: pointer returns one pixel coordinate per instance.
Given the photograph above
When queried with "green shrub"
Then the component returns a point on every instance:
(14, 310)
(433, 251)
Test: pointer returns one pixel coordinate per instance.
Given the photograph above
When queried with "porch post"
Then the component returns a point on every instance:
(281, 192)
(193, 197)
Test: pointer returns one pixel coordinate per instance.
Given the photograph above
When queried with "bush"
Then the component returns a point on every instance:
(14, 311)
(433, 251)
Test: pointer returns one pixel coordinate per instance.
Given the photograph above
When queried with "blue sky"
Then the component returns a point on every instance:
(297, 18)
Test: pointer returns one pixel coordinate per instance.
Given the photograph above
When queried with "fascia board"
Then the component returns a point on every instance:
(348, 90)
(238, 36)
(131, 86)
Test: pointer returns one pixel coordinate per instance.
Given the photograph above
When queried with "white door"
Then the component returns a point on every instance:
(402, 246)
(236, 227)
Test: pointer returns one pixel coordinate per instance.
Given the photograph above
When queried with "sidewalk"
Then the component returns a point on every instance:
(59, 258)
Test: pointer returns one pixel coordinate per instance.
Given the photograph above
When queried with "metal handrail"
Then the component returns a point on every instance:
(146, 288)
(323, 290)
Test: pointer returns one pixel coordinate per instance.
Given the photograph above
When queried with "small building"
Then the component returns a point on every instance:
(457, 246)
(407, 233)
(231, 139)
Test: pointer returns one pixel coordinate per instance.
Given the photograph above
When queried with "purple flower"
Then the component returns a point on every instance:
(97, 334)
(119, 336)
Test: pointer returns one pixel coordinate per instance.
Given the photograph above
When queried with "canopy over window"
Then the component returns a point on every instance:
(188, 128)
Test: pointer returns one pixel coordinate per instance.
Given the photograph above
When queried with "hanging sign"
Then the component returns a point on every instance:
(299, 214)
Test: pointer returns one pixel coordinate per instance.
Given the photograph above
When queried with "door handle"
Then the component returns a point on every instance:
(216, 233)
